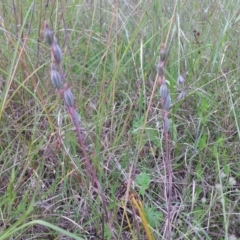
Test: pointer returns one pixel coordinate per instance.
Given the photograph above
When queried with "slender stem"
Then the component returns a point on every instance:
(62, 73)
(90, 167)
(169, 172)
(167, 160)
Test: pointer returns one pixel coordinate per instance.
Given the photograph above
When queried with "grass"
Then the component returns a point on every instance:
(110, 53)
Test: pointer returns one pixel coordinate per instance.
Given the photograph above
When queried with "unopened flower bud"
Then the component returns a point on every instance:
(57, 52)
(163, 91)
(160, 68)
(48, 34)
(180, 80)
(182, 94)
(163, 54)
(56, 79)
(167, 102)
(69, 99)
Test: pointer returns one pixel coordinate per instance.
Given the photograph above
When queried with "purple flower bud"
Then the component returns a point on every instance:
(167, 102)
(48, 34)
(163, 91)
(56, 79)
(57, 52)
(69, 99)
(163, 54)
(180, 80)
(182, 94)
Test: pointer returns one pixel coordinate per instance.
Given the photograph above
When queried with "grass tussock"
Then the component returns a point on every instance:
(104, 153)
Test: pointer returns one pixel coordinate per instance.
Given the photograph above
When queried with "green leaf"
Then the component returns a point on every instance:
(202, 142)
(154, 216)
(143, 180)
(198, 212)
(199, 171)
(107, 233)
(153, 136)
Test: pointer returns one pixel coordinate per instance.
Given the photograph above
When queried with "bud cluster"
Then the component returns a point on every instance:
(164, 91)
(57, 78)
(67, 94)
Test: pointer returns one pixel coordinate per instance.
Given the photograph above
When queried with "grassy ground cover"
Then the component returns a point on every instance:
(110, 58)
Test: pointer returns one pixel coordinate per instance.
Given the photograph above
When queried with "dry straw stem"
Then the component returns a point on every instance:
(128, 220)
(138, 205)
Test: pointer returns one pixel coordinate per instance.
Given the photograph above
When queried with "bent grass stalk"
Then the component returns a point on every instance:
(66, 93)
